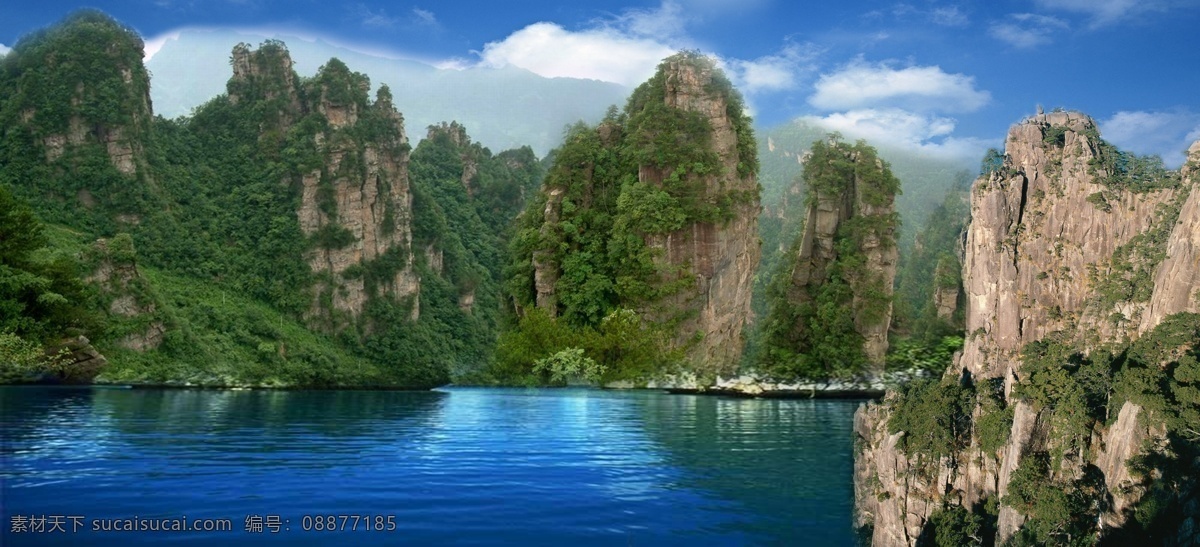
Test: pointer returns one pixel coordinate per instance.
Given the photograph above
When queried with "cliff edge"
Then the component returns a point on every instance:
(1069, 403)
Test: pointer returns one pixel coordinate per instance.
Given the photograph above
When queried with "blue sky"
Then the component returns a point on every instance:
(943, 77)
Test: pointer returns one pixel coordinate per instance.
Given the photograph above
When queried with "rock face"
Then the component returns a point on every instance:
(79, 361)
(130, 301)
(355, 201)
(721, 257)
(1034, 239)
(945, 295)
(1046, 241)
(1177, 284)
(653, 210)
(831, 208)
(845, 259)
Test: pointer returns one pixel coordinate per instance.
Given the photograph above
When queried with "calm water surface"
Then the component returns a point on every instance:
(458, 465)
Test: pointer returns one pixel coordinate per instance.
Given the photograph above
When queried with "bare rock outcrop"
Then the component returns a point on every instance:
(1036, 235)
(355, 201)
(131, 301)
(1049, 231)
(90, 90)
(840, 193)
(945, 295)
(721, 257)
(77, 361)
(1177, 284)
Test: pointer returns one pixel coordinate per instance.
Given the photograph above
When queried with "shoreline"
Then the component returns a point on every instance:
(857, 394)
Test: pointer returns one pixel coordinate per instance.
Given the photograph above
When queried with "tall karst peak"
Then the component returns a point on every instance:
(77, 92)
(717, 245)
(831, 312)
(668, 186)
(1047, 218)
(1078, 260)
(265, 73)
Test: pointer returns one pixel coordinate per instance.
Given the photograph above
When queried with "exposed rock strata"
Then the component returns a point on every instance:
(829, 210)
(117, 276)
(356, 203)
(1034, 237)
(945, 296)
(78, 362)
(721, 256)
(1177, 284)
(683, 140)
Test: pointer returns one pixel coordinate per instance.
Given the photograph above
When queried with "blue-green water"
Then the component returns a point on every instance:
(460, 465)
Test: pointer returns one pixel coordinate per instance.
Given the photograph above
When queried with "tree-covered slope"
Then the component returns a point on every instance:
(830, 304)
(646, 222)
(294, 199)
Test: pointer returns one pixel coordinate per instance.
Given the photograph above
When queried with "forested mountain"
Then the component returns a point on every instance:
(638, 253)
(830, 300)
(926, 180)
(286, 234)
(505, 107)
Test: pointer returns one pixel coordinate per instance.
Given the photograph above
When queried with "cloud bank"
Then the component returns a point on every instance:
(1027, 30)
(607, 54)
(626, 48)
(905, 108)
(1166, 133)
(920, 88)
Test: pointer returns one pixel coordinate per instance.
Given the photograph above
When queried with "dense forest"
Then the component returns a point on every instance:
(286, 233)
(207, 210)
(591, 272)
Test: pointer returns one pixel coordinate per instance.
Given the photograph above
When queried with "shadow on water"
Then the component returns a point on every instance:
(788, 463)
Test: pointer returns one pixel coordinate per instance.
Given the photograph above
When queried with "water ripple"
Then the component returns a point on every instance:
(472, 466)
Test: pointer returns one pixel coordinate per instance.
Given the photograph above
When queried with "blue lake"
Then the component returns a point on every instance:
(457, 465)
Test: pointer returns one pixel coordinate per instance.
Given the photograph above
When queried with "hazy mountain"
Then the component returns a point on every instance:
(502, 108)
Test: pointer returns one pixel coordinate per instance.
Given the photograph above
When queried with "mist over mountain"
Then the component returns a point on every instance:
(503, 107)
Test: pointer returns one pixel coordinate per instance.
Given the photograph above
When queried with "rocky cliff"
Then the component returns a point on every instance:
(286, 199)
(831, 301)
(1043, 226)
(131, 304)
(355, 203)
(1074, 249)
(846, 196)
(653, 210)
(1177, 281)
(719, 257)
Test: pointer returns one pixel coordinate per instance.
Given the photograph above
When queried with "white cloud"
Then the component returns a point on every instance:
(380, 19)
(922, 88)
(666, 22)
(152, 45)
(375, 19)
(778, 72)
(1027, 30)
(1102, 12)
(898, 128)
(4, 50)
(606, 53)
(1166, 133)
(949, 16)
(627, 47)
(425, 17)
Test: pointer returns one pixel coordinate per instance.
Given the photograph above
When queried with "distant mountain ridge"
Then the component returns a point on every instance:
(504, 107)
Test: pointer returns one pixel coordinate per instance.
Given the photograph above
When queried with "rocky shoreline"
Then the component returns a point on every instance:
(755, 386)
